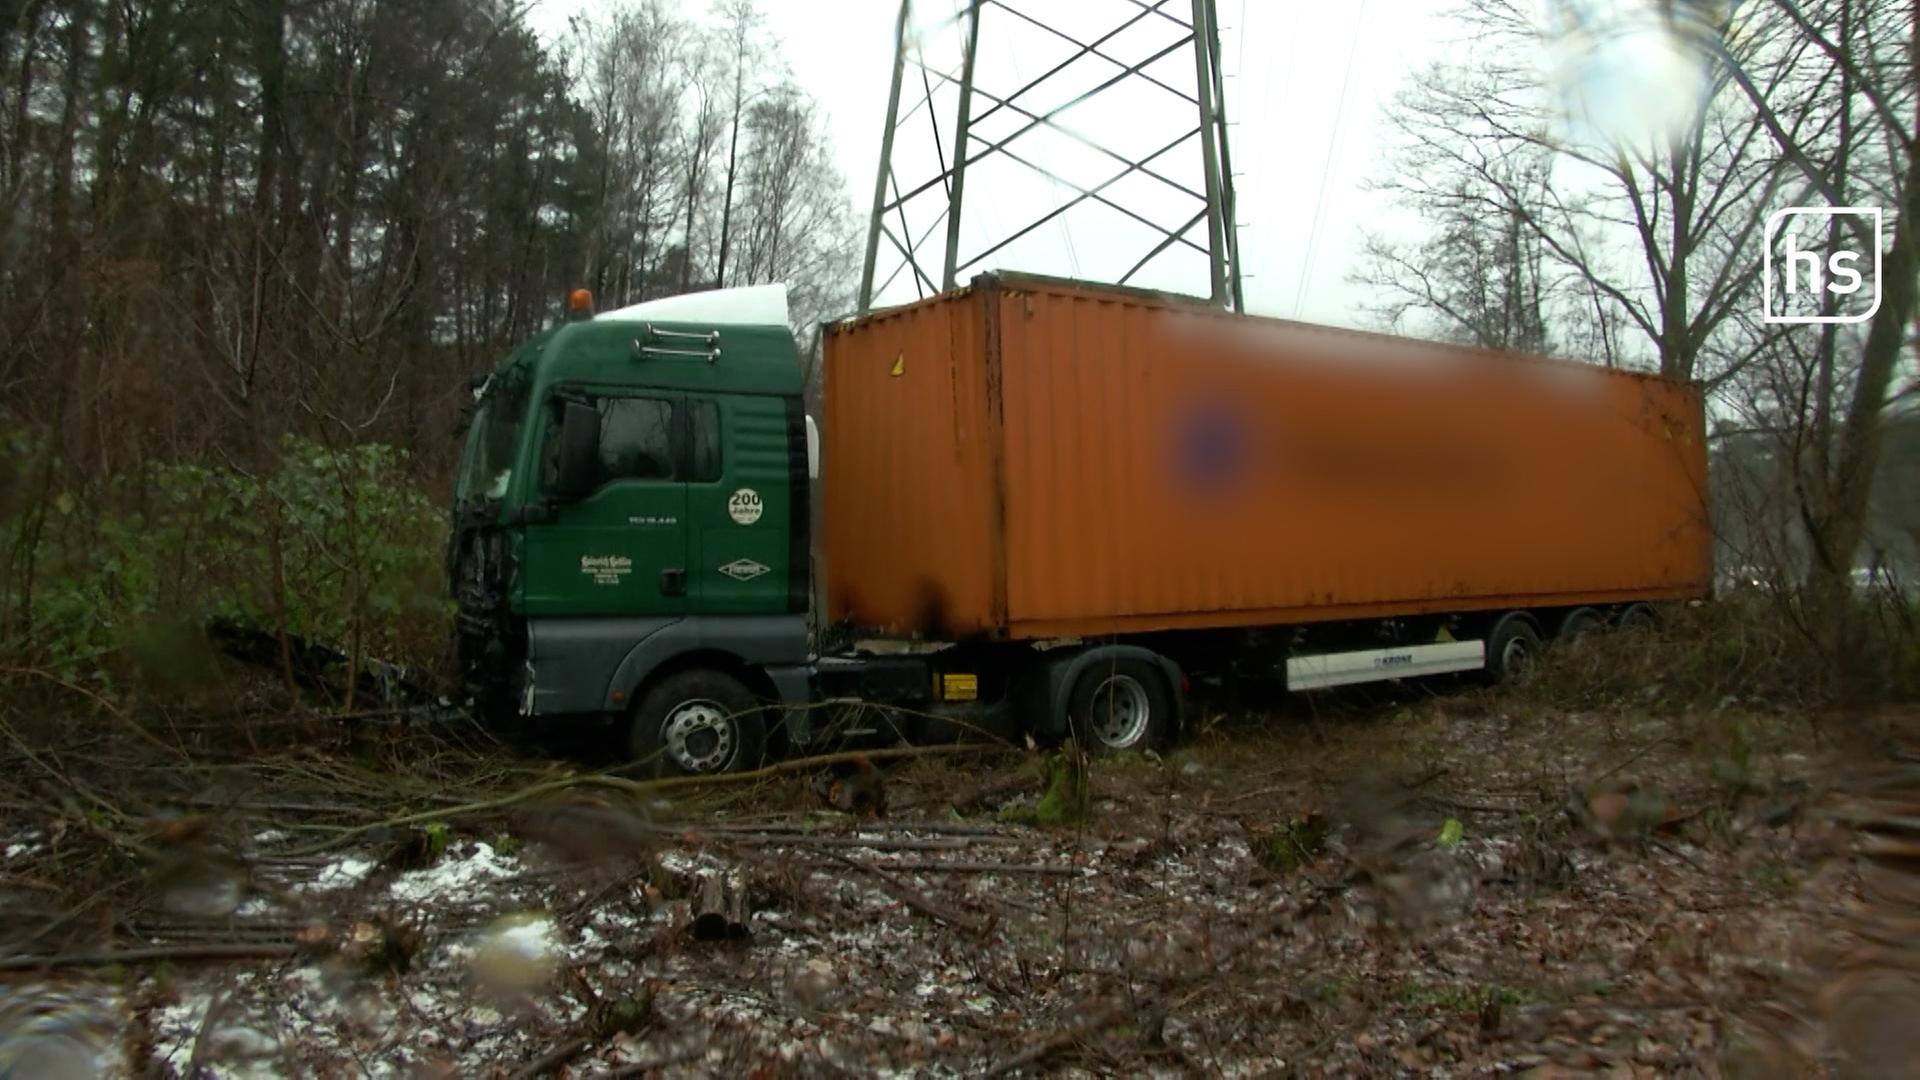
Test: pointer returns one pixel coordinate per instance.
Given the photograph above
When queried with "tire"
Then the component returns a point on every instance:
(1636, 617)
(1578, 623)
(698, 723)
(1120, 705)
(1512, 647)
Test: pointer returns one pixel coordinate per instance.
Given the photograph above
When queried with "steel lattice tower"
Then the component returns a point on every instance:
(1130, 96)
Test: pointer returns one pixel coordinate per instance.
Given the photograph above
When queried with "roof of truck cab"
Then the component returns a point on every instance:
(672, 356)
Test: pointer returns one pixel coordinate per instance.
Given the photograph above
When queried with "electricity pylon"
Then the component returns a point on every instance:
(1131, 91)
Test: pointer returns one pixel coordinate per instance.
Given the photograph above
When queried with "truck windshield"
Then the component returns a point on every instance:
(492, 442)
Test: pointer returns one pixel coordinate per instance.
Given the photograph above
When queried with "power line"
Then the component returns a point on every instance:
(1326, 166)
(1266, 88)
(1052, 185)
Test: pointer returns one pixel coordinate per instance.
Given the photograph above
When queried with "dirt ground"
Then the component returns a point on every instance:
(1459, 883)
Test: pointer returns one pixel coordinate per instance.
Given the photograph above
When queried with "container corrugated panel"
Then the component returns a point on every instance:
(906, 473)
(1106, 461)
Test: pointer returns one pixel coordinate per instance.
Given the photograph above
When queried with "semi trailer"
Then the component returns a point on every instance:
(1044, 507)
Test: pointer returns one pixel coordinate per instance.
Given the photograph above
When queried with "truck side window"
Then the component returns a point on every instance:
(636, 441)
(706, 442)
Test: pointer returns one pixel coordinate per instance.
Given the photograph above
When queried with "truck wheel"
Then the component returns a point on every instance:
(1636, 617)
(1512, 647)
(696, 723)
(1578, 623)
(1120, 705)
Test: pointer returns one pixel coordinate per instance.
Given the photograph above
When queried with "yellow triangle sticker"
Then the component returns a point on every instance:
(899, 366)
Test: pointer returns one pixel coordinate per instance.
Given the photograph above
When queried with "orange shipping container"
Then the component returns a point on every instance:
(1032, 458)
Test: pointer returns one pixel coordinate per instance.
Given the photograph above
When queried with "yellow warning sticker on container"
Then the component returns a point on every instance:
(959, 687)
(899, 366)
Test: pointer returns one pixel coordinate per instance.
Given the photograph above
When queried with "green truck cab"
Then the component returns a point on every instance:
(631, 530)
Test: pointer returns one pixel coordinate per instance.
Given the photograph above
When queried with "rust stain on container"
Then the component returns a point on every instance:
(1056, 459)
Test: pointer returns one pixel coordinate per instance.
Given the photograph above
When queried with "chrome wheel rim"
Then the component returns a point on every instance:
(1120, 711)
(1517, 655)
(699, 736)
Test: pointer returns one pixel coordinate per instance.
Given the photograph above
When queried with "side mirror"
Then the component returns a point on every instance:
(577, 458)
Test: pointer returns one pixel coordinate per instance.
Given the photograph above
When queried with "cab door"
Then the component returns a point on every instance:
(622, 549)
(741, 505)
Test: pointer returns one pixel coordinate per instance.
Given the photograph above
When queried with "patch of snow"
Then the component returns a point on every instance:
(452, 876)
(348, 871)
(677, 862)
(175, 1027)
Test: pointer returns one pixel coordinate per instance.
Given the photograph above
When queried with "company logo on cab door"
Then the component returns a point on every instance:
(606, 569)
(745, 569)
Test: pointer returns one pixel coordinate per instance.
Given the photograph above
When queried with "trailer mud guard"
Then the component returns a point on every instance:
(1043, 694)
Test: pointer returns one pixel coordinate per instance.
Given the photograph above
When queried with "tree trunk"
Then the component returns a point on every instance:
(733, 165)
(1858, 454)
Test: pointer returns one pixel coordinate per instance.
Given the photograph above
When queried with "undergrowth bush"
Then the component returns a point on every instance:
(338, 547)
(1750, 648)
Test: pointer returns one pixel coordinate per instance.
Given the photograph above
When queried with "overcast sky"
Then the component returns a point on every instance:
(1305, 88)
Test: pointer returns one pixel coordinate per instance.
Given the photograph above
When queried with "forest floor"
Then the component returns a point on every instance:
(1458, 883)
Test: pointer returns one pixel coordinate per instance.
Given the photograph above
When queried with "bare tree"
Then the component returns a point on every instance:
(742, 19)
(1479, 278)
(700, 136)
(1658, 221)
(1827, 389)
(797, 223)
(632, 83)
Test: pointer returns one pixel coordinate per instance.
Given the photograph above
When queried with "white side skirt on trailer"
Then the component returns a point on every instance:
(1376, 665)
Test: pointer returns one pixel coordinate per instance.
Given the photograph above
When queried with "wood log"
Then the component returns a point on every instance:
(720, 910)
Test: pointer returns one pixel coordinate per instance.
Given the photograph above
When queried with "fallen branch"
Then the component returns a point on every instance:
(809, 764)
(1475, 807)
(1678, 854)
(977, 867)
(1257, 793)
(105, 705)
(912, 897)
(636, 787)
(658, 1064)
(1633, 757)
(996, 791)
(943, 828)
(1060, 1040)
(876, 843)
(554, 1058)
(263, 950)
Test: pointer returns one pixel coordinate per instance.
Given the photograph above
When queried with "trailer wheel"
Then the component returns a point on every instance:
(1512, 647)
(1636, 617)
(697, 723)
(1578, 623)
(1120, 705)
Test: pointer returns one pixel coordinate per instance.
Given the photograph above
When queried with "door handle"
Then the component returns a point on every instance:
(673, 582)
